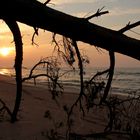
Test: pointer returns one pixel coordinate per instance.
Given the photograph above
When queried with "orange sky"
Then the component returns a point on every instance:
(33, 54)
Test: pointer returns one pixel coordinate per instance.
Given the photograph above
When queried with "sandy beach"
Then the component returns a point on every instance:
(36, 100)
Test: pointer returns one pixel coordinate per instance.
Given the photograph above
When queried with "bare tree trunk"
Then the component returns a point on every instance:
(18, 65)
(36, 14)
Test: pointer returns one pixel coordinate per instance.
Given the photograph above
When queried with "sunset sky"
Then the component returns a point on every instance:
(120, 13)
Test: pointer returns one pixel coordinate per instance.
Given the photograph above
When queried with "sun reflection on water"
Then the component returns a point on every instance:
(5, 71)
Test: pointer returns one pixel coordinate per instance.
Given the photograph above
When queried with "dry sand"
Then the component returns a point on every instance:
(32, 124)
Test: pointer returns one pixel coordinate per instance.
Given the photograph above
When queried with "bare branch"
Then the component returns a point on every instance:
(51, 72)
(129, 26)
(97, 14)
(4, 107)
(111, 73)
(98, 74)
(44, 17)
(45, 3)
(18, 64)
(33, 36)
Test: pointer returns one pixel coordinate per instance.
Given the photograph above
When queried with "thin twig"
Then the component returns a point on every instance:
(45, 3)
(129, 26)
(33, 36)
(98, 74)
(97, 14)
(5, 107)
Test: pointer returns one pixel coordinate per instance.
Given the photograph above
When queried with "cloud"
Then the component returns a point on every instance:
(112, 13)
(72, 1)
(80, 14)
(60, 2)
(120, 12)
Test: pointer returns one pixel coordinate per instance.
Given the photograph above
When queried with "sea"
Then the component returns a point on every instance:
(125, 81)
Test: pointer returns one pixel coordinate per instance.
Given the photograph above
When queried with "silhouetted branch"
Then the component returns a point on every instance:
(4, 107)
(41, 16)
(45, 3)
(18, 64)
(111, 73)
(129, 26)
(51, 73)
(34, 67)
(80, 64)
(36, 76)
(33, 36)
(98, 74)
(68, 53)
(94, 87)
(97, 14)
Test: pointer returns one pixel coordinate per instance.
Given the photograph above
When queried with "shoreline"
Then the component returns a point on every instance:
(36, 101)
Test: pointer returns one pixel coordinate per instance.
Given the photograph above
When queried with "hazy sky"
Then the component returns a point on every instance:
(120, 13)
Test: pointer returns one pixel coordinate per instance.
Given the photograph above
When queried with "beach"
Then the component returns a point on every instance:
(33, 119)
(36, 100)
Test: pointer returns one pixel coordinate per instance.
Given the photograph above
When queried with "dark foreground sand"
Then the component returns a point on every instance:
(32, 124)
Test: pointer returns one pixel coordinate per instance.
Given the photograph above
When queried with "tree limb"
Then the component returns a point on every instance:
(97, 14)
(129, 26)
(40, 16)
(18, 64)
(111, 73)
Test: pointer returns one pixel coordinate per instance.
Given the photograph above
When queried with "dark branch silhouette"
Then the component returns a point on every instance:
(18, 64)
(129, 26)
(40, 16)
(51, 73)
(4, 107)
(97, 14)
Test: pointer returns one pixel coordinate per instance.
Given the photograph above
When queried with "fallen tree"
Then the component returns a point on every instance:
(38, 15)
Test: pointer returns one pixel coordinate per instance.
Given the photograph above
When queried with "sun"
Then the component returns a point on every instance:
(5, 51)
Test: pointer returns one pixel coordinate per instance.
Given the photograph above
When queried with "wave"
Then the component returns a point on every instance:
(126, 80)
